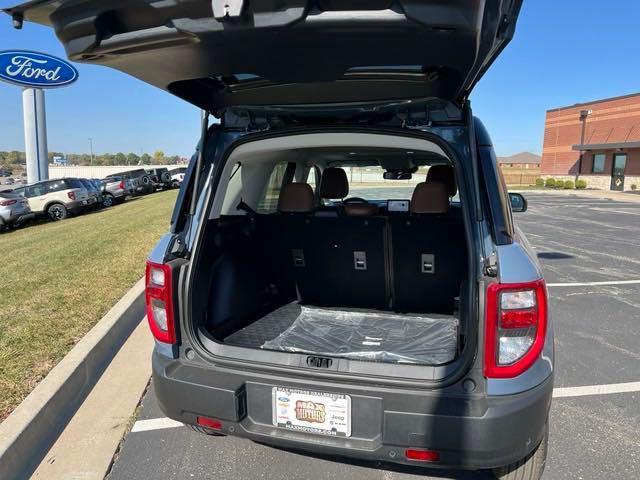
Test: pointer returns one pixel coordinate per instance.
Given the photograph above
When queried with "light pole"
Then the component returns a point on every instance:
(91, 149)
(583, 118)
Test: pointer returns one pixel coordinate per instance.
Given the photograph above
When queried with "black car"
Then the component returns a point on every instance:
(160, 177)
(294, 308)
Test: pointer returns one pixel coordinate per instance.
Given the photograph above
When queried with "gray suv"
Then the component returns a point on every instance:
(295, 308)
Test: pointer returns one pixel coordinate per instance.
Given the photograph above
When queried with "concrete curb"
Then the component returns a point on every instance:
(28, 433)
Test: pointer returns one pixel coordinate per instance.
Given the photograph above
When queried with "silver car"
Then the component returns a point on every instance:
(116, 189)
(14, 210)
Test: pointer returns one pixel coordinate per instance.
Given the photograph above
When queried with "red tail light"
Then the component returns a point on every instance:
(516, 327)
(71, 195)
(159, 299)
(421, 455)
(121, 186)
(6, 203)
(209, 423)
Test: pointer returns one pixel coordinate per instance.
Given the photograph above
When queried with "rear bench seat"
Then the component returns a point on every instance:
(344, 260)
(429, 257)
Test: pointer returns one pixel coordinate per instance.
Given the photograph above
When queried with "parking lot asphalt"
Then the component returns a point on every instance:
(594, 435)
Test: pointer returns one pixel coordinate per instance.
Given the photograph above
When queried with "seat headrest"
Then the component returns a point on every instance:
(360, 209)
(296, 198)
(430, 197)
(334, 183)
(444, 174)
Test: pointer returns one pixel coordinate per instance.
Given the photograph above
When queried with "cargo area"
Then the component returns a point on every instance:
(293, 264)
(358, 334)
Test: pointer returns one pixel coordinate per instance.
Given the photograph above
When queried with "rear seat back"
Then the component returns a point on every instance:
(284, 237)
(347, 258)
(429, 255)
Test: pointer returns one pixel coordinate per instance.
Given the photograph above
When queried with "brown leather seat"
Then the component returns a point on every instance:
(430, 198)
(296, 198)
(444, 174)
(429, 256)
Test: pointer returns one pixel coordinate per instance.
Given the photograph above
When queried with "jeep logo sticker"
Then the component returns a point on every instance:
(32, 69)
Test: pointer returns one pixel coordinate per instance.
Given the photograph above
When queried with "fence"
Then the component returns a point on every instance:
(98, 171)
(520, 178)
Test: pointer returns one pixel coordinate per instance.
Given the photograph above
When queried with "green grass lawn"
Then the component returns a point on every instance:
(58, 279)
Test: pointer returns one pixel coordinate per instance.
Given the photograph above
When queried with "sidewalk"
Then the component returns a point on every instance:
(595, 194)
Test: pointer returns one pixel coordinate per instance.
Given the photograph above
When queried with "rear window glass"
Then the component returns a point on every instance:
(233, 195)
(268, 202)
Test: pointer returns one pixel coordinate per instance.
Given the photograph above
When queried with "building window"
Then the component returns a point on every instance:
(598, 163)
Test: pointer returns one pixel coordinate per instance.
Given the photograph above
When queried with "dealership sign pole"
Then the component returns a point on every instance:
(34, 72)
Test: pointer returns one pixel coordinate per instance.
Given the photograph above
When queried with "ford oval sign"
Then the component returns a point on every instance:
(32, 69)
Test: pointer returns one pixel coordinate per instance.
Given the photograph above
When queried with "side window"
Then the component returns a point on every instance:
(312, 178)
(598, 163)
(506, 201)
(20, 191)
(35, 190)
(55, 186)
(234, 191)
(269, 199)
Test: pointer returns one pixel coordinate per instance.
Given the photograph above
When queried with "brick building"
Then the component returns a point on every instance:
(597, 141)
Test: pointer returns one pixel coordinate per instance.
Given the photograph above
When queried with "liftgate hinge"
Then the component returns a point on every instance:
(227, 9)
(491, 265)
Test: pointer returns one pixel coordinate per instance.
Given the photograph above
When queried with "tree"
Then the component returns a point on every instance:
(145, 159)
(120, 159)
(132, 159)
(158, 157)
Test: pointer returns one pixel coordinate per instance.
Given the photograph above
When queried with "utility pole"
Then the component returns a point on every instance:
(91, 149)
(583, 118)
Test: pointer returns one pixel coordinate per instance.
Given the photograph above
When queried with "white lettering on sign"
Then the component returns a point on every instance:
(24, 67)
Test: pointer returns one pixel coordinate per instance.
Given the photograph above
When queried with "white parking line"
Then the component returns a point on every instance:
(155, 424)
(596, 390)
(162, 423)
(589, 284)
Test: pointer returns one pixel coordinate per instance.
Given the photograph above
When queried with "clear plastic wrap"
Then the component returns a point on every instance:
(373, 336)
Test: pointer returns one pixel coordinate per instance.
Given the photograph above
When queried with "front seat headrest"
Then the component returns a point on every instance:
(430, 197)
(444, 174)
(296, 198)
(334, 183)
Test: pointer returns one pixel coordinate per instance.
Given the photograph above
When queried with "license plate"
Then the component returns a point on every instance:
(312, 412)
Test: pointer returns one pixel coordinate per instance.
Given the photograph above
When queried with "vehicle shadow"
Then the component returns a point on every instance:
(554, 255)
(435, 473)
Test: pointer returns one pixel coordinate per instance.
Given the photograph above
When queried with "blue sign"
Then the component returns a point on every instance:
(32, 69)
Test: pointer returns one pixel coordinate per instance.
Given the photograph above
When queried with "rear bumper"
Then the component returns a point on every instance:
(17, 217)
(469, 431)
(76, 206)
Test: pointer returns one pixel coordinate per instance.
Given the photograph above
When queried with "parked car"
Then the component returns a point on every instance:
(95, 193)
(141, 180)
(160, 177)
(116, 189)
(412, 330)
(14, 210)
(177, 176)
(9, 181)
(56, 199)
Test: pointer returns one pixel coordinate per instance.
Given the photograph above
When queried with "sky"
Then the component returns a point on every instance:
(563, 52)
